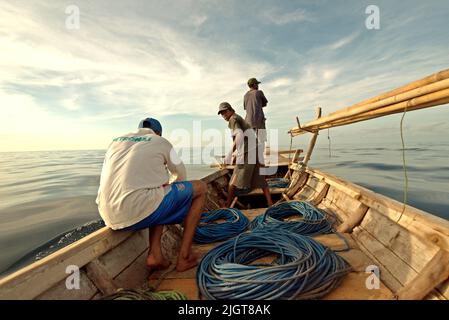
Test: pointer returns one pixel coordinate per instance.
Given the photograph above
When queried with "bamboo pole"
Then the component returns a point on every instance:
(426, 101)
(354, 111)
(438, 76)
(312, 141)
(384, 112)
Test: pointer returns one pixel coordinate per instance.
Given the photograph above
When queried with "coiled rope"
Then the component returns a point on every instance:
(305, 269)
(312, 221)
(209, 231)
(278, 183)
(138, 294)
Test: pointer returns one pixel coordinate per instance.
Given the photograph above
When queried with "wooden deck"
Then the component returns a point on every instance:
(352, 287)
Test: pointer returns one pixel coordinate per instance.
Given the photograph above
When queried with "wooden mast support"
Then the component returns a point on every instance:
(312, 141)
(297, 175)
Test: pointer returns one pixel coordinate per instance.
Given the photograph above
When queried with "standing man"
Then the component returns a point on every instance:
(253, 102)
(135, 193)
(246, 173)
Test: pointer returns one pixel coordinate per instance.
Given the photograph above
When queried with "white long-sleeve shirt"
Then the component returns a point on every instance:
(134, 177)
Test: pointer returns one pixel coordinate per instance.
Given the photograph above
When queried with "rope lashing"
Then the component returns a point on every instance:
(304, 269)
(138, 294)
(278, 183)
(312, 221)
(209, 230)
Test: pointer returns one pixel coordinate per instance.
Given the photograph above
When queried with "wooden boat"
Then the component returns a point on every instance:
(409, 246)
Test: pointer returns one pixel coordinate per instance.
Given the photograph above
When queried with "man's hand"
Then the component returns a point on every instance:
(228, 159)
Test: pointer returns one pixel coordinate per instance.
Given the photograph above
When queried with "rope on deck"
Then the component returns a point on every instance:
(139, 294)
(209, 231)
(278, 183)
(313, 220)
(305, 269)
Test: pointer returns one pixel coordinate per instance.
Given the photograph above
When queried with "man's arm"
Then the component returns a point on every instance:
(263, 98)
(239, 145)
(228, 158)
(175, 164)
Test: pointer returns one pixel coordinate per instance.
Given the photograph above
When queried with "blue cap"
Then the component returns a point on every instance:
(151, 123)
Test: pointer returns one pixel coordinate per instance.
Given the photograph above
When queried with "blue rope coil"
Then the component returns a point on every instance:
(313, 221)
(304, 269)
(278, 183)
(209, 231)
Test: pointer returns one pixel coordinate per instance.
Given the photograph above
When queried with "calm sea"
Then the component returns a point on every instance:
(47, 198)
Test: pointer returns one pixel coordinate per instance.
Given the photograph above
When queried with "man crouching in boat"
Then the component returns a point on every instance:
(246, 173)
(135, 193)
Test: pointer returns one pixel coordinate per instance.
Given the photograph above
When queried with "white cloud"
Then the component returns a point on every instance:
(71, 103)
(277, 17)
(143, 63)
(344, 41)
(198, 20)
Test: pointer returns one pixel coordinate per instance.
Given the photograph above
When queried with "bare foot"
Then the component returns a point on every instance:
(154, 263)
(186, 264)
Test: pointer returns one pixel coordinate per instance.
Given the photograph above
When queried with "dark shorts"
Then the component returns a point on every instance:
(172, 210)
(247, 176)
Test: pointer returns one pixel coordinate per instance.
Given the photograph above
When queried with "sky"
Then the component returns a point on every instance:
(63, 88)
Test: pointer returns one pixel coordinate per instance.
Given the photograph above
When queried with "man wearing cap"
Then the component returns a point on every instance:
(253, 102)
(246, 175)
(135, 193)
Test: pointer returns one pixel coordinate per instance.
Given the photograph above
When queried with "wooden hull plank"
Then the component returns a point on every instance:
(409, 248)
(86, 291)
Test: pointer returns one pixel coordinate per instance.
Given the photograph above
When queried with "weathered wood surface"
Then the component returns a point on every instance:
(353, 287)
(135, 275)
(408, 247)
(298, 181)
(35, 279)
(420, 223)
(402, 250)
(97, 272)
(87, 290)
(434, 273)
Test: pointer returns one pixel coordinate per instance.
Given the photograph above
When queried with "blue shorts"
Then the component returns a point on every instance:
(172, 210)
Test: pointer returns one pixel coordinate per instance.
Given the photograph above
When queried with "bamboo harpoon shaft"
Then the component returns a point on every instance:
(427, 92)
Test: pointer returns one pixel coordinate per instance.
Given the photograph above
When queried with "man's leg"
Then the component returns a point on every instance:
(186, 259)
(266, 192)
(261, 136)
(231, 193)
(155, 259)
